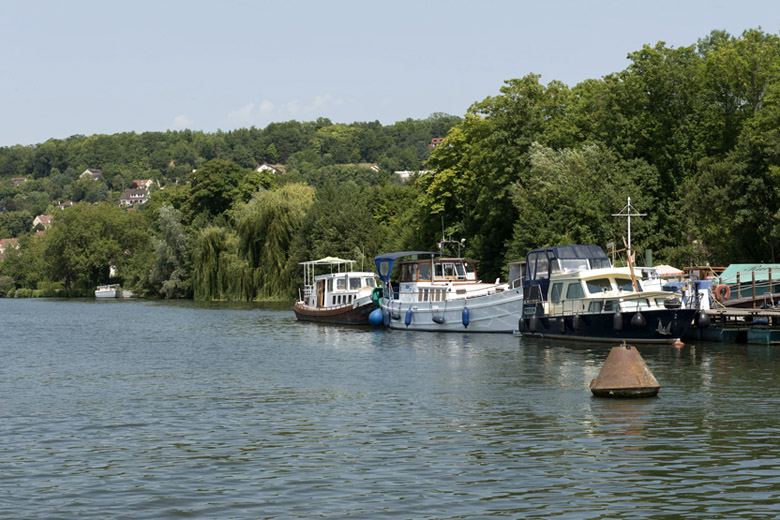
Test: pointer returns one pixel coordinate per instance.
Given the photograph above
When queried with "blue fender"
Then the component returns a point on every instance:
(408, 318)
(465, 317)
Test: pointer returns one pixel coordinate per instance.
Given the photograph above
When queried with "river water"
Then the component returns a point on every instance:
(136, 409)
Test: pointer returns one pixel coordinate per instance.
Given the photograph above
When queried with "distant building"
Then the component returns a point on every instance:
(63, 205)
(406, 174)
(43, 221)
(8, 243)
(18, 180)
(91, 173)
(142, 183)
(134, 196)
(436, 141)
(273, 168)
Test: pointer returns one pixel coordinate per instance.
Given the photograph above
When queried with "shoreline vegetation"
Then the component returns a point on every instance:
(691, 134)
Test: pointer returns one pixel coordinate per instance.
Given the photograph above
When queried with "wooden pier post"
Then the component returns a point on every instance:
(753, 276)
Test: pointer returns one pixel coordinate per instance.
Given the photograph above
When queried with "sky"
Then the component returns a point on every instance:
(102, 67)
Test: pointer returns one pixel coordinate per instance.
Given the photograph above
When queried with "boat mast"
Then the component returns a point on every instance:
(629, 211)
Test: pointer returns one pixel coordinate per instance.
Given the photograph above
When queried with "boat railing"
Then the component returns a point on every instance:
(599, 305)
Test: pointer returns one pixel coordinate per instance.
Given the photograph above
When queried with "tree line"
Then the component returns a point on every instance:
(691, 134)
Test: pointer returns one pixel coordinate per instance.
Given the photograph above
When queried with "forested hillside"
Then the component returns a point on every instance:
(691, 134)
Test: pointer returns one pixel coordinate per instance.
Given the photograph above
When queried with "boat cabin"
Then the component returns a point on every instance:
(438, 270)
(338, 287)
(545, 262)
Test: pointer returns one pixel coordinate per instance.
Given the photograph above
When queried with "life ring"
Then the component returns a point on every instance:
(722, 292)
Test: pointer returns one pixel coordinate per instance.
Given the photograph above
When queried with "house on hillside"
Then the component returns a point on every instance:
(91, 173)
(63, 205)
(273, 168)
(8, 243)
(134, 196)
(18, 180)
(142, 183)
(435, 141)
(43, 221)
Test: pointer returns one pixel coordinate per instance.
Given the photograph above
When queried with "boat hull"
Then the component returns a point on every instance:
(343, 315)
(497, 312)
(107, 294)
(660, 326)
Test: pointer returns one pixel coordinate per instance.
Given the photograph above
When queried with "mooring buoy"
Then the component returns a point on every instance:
(624, 374)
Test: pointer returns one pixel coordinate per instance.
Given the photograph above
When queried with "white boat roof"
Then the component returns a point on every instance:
(328, 260)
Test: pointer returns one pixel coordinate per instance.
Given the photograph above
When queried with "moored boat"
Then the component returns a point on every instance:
(107, 291)
(444, 294)
(574, 292)
(340, 296)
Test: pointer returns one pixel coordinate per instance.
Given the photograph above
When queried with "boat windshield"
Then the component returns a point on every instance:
(354, 284)
(573, 264)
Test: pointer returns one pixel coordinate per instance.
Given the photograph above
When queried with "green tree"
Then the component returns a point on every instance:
(171, 272)
(86, 240)
(214, 186)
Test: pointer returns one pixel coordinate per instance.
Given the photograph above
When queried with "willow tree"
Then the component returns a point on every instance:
(266, 227)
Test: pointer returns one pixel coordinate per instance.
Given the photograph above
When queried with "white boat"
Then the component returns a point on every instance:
(444, 294)
(340, 296)
(107, 291)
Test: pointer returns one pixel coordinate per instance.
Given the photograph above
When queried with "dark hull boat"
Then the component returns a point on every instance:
(344, 315)
(654, 326)
(574, 292)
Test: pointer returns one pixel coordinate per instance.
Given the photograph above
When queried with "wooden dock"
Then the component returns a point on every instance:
(755, 326)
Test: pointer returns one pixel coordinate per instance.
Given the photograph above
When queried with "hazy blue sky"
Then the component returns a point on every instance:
(86, 67)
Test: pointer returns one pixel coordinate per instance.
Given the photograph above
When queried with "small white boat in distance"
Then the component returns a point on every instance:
(107, 291)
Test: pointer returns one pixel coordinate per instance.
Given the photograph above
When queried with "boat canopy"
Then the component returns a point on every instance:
(328, 260)
(384, 263)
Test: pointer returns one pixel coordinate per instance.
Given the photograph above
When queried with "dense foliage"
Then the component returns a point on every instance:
(691, 134)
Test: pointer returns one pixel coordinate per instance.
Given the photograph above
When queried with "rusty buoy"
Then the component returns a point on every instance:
(624, 374)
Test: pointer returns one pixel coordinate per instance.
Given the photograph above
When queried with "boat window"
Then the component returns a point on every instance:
(555, 267)
(598, 285)
(438, 271)
(572, 265)
(534, 294)
(574, 291)
(460, 270)
(595, 306)
(354, 284)
(531, 266)
(599, 263)
(413, 273)
(425, 272)
(405, 273)
(610, 305)
(555, 292)
(330, 284)
(370, 282)
(449, 270)
(626, 285)
(341, 284)
(542, 268)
